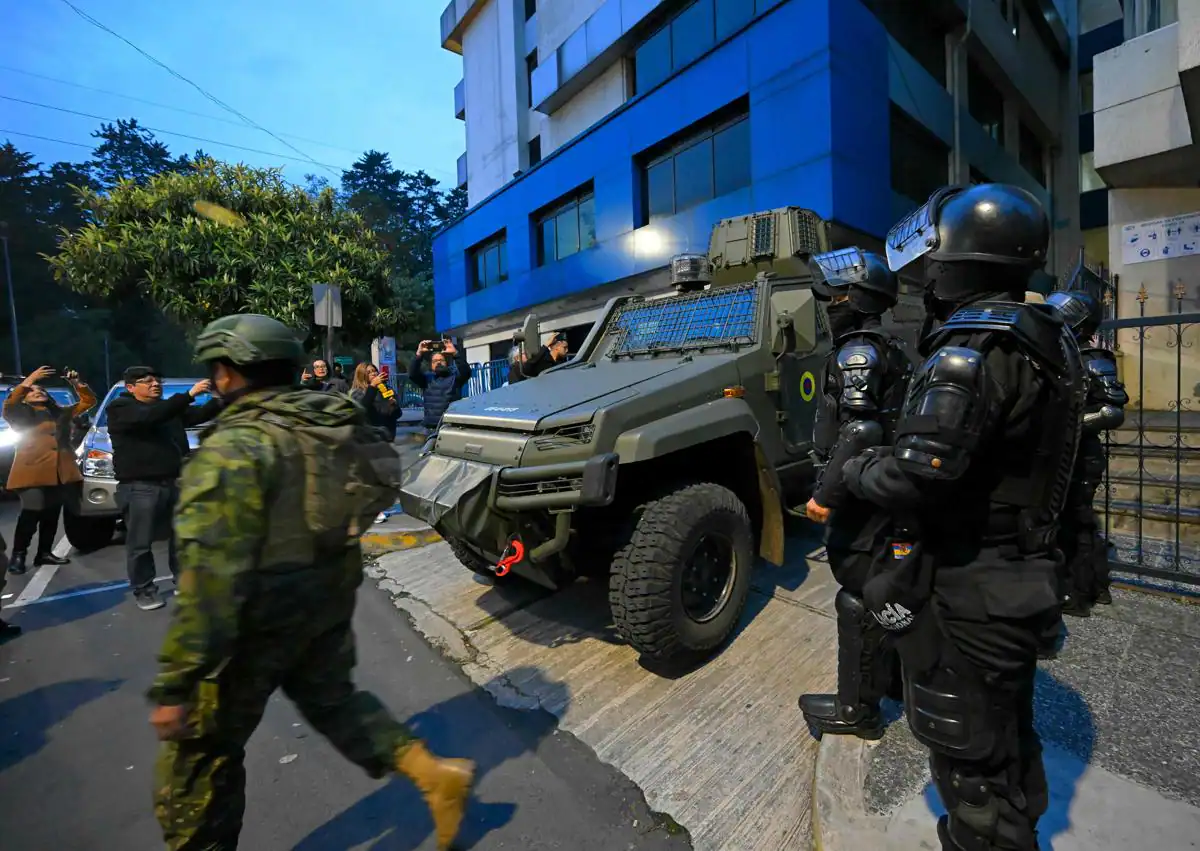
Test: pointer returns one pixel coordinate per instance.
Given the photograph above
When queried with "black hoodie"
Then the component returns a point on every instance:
(149, 439)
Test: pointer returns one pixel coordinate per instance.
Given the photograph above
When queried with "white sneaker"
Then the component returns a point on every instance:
(382, 517)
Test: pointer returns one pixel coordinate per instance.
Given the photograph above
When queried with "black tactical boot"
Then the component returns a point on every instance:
(854, 710)
(8, 630)
(825, 714)
(1076, 607)
(16, 564)
(1103, 597)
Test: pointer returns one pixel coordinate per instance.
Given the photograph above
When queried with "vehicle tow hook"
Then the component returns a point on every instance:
(514, 553)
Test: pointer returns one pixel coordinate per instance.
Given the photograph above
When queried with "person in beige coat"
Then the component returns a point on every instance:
(44, 466)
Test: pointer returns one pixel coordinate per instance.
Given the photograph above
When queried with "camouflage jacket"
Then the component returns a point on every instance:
(251, 568)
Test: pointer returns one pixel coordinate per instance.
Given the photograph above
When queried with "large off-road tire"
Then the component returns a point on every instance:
(88, 534)
(680, 582)
(472, 561)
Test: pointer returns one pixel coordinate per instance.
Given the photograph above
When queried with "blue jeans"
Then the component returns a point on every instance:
(148, 509)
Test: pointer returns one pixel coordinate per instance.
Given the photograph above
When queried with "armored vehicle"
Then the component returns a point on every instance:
(664, 453)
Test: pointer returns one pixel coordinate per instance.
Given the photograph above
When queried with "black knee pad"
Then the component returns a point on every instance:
(850, 608)
(950, 714)
(982, 817)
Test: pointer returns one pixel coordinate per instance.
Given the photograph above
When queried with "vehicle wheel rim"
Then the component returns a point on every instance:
(708, 577)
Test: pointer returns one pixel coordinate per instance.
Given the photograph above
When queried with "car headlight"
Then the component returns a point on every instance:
(98, 464)
(9, 437)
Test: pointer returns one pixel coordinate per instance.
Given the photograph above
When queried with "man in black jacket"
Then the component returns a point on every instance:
(149, 443)
(319, 378)
(443, 381)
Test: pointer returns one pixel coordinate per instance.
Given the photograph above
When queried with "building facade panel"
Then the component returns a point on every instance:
(821, 82)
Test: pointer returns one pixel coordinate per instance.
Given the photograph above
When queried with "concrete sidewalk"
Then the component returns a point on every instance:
(1119, 715)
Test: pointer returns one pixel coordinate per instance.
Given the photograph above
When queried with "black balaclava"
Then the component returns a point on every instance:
(950, 286)
(843, 318)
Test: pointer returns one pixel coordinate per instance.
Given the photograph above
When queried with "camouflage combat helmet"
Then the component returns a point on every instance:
(247, 338)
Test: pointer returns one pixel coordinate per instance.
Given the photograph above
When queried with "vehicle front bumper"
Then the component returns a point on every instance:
(97, 497)
(483, 504)
(437, 484)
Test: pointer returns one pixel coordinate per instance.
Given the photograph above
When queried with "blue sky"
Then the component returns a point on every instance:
(370, 75)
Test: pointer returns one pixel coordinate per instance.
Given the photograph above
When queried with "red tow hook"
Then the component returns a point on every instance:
(513, 554)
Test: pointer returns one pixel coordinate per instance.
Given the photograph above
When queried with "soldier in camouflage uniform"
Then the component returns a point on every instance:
(268, 519)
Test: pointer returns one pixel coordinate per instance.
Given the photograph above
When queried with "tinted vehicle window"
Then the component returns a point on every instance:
(169, 390)
(62, 395)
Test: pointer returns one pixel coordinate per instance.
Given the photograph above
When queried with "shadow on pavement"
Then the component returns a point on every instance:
(26, 718)
(1065, 724)
(51, 613)
(395, 817)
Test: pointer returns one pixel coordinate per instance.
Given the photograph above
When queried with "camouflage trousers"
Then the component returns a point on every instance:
(200, 781)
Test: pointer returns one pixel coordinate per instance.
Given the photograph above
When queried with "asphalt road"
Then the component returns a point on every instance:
(76, 751)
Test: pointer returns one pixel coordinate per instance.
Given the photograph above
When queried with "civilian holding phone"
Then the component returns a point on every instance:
(443, 380)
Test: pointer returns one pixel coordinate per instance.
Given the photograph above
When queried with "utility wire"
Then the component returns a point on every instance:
(195, 86)
(165, 132)
(44, 138)
(406, 165)
(203, 115)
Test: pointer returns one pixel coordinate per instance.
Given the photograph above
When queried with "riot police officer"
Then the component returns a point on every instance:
(978, 474)
(863, 383)
(1084, 580)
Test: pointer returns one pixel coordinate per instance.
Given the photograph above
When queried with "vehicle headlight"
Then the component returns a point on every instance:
(9, 437)
(98, 464)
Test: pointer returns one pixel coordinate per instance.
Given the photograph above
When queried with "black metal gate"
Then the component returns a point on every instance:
(1151, 495)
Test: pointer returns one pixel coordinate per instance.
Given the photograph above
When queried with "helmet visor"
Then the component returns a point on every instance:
(837, 270)
(916, 234)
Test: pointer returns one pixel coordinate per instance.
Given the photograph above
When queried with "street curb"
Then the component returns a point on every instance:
(840, 821)
(391, 542)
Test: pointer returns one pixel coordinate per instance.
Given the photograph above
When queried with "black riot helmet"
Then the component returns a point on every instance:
(1080, 311)
(975, 240)
(872, 288)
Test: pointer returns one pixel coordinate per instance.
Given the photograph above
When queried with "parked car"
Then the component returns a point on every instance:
(10, 438)
(92, 516)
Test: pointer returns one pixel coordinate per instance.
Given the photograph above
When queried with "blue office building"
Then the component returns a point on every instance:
(604, 136)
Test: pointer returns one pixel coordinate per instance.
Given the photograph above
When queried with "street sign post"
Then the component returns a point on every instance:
(327, 311)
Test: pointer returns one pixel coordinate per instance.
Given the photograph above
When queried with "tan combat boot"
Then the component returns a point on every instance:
(445, 783)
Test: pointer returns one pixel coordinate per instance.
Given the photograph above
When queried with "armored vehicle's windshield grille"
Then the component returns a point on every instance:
(727, 316)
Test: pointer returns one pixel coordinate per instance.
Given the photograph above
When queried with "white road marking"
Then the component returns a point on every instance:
(82, 592)
(36, 586)
(63, 548)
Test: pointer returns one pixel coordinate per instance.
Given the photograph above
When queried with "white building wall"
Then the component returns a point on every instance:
(493, 75)
(1160, 278)
(1140, 108)
(557, 19)
(598, 99)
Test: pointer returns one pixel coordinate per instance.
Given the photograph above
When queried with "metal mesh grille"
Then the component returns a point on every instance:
(806, 237)
(722, 317)
(762, 243)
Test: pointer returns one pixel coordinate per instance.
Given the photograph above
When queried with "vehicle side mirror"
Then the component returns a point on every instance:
(528, 332)
(797, 330)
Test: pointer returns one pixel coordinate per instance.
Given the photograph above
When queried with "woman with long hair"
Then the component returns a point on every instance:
(370, 390)
(44, 466)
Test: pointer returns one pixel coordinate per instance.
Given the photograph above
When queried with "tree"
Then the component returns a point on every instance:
(405, 209)
(147, 240)
(128, 151)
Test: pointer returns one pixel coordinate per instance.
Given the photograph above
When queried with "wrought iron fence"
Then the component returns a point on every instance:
(1150, 497)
